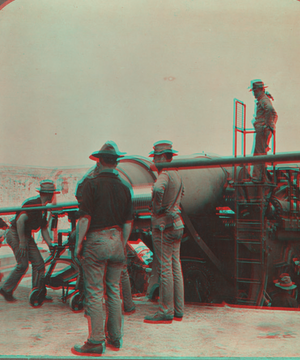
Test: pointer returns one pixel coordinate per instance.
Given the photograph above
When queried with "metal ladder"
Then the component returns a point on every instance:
(250, 247)
(250, 229)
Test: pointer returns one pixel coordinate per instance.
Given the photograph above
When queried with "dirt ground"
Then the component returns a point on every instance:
(205, 331)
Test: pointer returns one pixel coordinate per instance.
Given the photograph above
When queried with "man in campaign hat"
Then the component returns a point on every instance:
(265, 123)
(106, 217)
(167, 231)
(109, 148)
(283, 298)
(19, 238)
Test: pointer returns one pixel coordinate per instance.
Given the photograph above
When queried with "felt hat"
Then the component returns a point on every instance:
(110, 148)
(257, 84)
(47, 187)
(285, 282)
(296, 261)
(162, 147)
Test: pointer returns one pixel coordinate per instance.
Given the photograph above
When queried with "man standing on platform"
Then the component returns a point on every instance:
(167, 231)
(265, 123)
(19, 238)
(106, 217)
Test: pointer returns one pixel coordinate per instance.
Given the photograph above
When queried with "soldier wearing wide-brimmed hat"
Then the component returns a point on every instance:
(265, 123)
(108, 150)
(284, 297)
(19, 238)
(167, 231)
(106, 217)
(110, 153)
(163, 147)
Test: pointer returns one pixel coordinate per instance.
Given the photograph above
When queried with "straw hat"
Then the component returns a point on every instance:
(47, 187)
(285, 282)
(163, 147)
(257, 84)
(110, 148)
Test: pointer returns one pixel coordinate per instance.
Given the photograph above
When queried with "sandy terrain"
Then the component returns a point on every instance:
(53, 329)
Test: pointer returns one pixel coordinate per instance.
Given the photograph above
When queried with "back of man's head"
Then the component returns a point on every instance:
(108, 161)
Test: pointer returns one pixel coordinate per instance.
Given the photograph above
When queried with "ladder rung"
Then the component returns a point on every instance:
(281, 264)
(253, 240)
(247, 236)
(251, 202)
(250, 226)
(239, 278)
(249, 262)
(249, 281)
(249, 222)
(251, 237)
(249, 231)
(246, 241)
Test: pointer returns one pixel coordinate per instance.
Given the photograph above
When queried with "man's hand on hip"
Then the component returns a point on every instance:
(78, 252)
(22, 250)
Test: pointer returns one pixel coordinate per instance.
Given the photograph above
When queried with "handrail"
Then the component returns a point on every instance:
(229, 161)
(72, 206)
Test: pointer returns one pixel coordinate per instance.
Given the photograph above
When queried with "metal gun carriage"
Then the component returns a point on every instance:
(239, 236)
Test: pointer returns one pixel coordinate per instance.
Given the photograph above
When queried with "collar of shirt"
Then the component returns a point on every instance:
(261, 97)
(110, 171)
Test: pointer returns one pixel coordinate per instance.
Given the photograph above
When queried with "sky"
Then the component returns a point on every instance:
(74, 74)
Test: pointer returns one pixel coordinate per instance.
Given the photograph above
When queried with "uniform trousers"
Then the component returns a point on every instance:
(103, 260)
(262, 140)
(167, 251)
(126, 290)
(33, 256)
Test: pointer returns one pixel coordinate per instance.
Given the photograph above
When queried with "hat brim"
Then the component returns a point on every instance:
(260, 88)
(97, 155)
(173, 152)
(286, 287)
(47, 191)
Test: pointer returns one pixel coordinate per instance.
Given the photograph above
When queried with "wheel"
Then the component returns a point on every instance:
(36, 297)
(76, 303)
(43, 294)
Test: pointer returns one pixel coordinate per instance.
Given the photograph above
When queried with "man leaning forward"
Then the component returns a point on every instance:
(20, 239)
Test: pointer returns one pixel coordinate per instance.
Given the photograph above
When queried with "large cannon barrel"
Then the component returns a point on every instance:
(203, 188)
(204, 179)
(205, 162)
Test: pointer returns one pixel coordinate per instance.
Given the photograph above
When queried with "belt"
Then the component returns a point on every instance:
(116, 227)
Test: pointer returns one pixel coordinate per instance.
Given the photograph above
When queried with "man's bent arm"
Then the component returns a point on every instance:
(127, 227)
(158, 192)
(270, 114)
(81, 229)
(21, 228)
(46, 236)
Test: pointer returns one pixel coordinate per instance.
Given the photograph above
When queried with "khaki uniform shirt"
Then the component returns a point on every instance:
(265, 114)
(165, 191)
